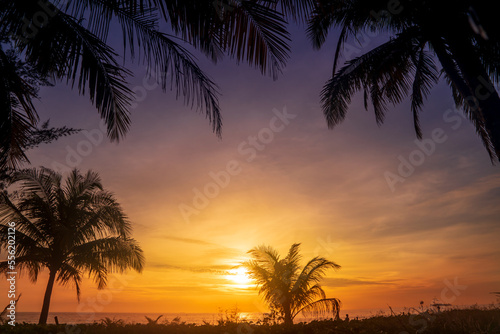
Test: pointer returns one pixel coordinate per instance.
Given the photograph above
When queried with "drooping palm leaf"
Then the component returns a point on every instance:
(169, 62)
(426, 75)
(322, 307)
(72, 45)
(255, 33)
(462, 45)
(17, 113)
(385, 74)
(462, 93)
(69, 51)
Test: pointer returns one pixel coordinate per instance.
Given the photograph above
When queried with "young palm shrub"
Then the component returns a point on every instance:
(69, 228)
(112, 323)
(151, 321)
(287, 287)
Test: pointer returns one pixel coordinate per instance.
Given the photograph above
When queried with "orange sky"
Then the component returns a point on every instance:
(285, 181)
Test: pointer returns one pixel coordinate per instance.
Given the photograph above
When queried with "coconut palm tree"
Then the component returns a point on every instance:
(461, 36)
(287, 287)
(70, 41)
(70, 228)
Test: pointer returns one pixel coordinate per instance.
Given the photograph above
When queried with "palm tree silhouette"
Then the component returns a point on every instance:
(462, 36)
(286, 287)
(69, 228)
(69, 41)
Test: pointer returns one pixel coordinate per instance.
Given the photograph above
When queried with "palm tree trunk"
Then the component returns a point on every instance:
(288, 316)
(46, 299)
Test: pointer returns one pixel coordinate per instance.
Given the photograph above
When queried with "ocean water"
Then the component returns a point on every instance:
(88, 318)
(190, 318)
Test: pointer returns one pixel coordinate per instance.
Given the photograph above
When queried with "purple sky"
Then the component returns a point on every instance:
(274, 181)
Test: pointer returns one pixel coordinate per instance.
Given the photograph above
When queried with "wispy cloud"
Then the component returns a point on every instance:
(212, 251)
(189, 240)
(344, 282)
(214, 269)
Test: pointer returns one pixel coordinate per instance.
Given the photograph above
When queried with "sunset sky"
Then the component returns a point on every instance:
(278, 176)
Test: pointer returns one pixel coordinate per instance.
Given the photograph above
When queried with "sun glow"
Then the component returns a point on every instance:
(239, 276)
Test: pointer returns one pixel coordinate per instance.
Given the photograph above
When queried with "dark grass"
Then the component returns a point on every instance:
(466, 321)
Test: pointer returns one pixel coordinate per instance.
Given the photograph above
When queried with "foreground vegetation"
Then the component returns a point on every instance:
(473, 320)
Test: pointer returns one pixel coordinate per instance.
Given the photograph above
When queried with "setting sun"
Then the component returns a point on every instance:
(239, 276)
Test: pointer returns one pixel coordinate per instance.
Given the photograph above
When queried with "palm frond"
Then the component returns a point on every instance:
(469, 58)
(105, 217)
(26, 245)
(32, 265)
(68, 274)
(322, 19)
(78, 185)
(312, 273)
(39, 182)
(257, 34)
(65, 49)
(322, 307)
(426, 75)
(10, 212)
(462, 94)
(355, 17)
(170, 63)
(46, 134)
(293, 253)
(195, 22)
(265, 255)
(250, 31)
(17, 113)
(306, 296)
(114, 253)
(153, 321)
(384, 72)
(298, 10)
